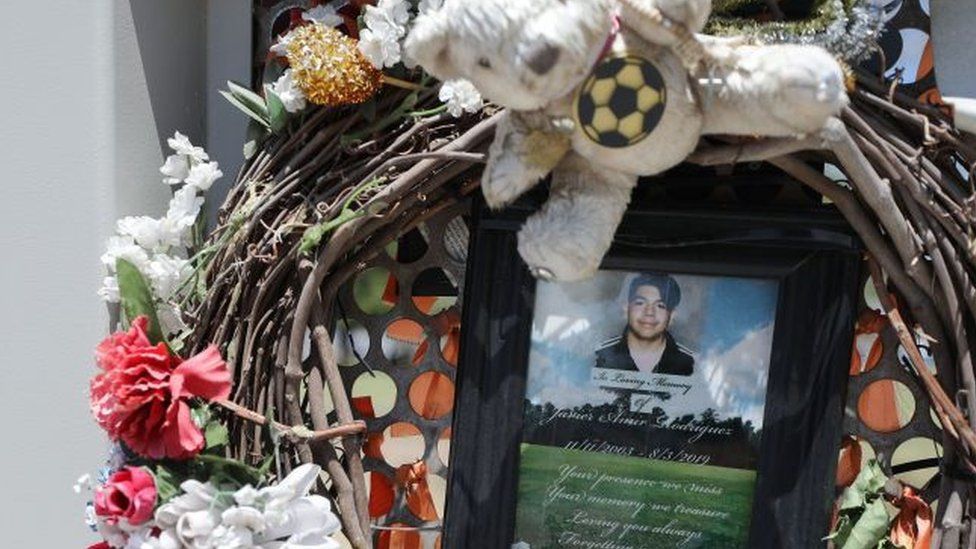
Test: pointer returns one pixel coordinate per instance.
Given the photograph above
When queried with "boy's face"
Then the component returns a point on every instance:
(647, 315)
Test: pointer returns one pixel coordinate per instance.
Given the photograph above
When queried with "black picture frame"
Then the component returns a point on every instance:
(816, 260)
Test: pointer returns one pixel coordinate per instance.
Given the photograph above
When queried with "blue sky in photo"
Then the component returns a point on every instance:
(735, 307)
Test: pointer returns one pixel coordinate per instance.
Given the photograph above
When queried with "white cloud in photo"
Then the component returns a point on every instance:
(736, 378)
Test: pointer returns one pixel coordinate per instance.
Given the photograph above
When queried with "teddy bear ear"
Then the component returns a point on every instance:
(428, 45)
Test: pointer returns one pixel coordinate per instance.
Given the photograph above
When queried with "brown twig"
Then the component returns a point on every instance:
(298, 432)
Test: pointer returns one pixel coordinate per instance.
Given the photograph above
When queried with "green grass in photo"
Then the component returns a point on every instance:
(651, 503)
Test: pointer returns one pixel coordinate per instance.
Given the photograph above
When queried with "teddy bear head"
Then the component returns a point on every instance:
(519, 54)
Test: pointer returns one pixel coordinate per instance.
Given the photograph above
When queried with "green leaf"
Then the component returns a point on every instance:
(216, 435)
(871, 479)
(260, 117)
(236, 472)
(852, 499)
(265, 467)
(248, 97)
(313, 236)
(214, 432)
(409, 102)
(200, 415)
(870, 529)
(842, 531)
(277, 114)
(256, 134)
(868, 485)
(167, 484)
(137, 299)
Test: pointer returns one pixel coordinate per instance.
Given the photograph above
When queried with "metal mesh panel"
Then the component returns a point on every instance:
(425, 274)
(904, 441)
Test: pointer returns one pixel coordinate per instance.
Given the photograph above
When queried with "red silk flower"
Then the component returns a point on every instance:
(130, 495)
(140, 396)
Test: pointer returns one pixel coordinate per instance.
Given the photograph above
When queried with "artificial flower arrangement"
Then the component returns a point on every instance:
(167, 483)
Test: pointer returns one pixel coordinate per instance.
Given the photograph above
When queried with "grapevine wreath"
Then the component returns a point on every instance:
(215, 388)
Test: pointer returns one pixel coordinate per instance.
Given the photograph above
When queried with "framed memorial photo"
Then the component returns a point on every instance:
(688, 395)
(644, 406)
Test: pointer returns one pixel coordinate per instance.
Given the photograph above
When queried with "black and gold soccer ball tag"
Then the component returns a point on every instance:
(621, 102)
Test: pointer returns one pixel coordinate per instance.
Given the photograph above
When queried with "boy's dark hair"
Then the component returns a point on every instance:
(667, 286)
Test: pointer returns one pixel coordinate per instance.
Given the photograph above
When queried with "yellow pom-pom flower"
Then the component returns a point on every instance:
(329, 68)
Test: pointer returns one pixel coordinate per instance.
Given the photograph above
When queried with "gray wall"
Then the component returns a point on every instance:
(92, 88)
(954, 45)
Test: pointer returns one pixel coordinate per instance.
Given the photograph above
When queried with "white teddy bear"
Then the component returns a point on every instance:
(599, 92)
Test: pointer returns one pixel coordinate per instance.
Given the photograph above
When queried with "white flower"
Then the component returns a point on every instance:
(282, 516)
(181, 145)
(203, 175)
(176, 169)
(196, 527)
(381, 45)
(166, 540)
(245, 517)
(288, 91)
(197, 496)
(397, 10)
(173, 229)
(141, 539)
(460, 96)
(232, 537)
(385, 28)
(83, 483)
(280, 48)
(178, 166)
(325, 14)
(429, 5)
(123, 247)
(159, 235)
(109, 292)
(112, 533)
(246, 496)
(295, 485)
(375, 18)
(166, 273)
(170, 318)
(91, 519)
(307, 520)
(146, 231)
(185, 206)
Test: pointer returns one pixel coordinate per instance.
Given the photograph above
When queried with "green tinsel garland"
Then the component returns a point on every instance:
(847, 28)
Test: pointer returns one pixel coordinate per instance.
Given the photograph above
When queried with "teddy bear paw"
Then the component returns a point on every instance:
(557, 259)
(502, 186)
(812, 92)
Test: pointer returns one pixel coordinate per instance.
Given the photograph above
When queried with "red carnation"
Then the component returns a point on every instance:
(129, 494)
(141, 395)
